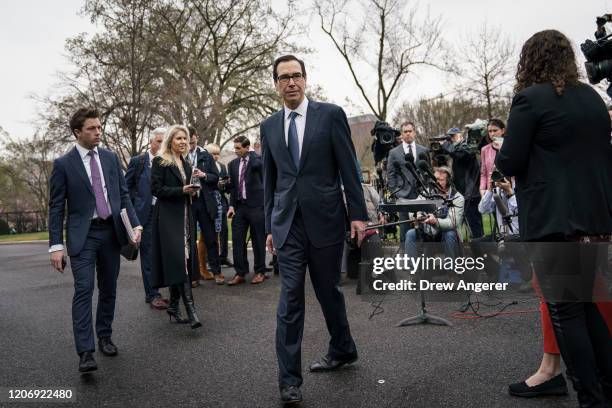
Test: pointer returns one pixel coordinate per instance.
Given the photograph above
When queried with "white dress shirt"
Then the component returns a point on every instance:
(413, 146)
(300, 122)
(84, 153)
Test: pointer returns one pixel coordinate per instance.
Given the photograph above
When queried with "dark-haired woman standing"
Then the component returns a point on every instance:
(175, 259)
(557, 145)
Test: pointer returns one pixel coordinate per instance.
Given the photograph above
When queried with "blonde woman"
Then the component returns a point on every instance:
(175, 260)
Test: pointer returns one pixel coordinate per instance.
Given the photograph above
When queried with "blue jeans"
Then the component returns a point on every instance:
(449, 238)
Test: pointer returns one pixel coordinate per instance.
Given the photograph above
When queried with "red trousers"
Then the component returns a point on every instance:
(550, 341)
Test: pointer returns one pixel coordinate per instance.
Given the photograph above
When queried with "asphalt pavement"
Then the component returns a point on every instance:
(231, 362)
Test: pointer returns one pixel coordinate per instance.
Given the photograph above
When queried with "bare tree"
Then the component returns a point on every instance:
(392, 41)
(433, 117)
(488, 61)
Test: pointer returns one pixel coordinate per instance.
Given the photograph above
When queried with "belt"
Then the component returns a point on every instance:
(100, 221)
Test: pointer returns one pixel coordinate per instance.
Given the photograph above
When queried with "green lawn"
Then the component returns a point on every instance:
(32, 236)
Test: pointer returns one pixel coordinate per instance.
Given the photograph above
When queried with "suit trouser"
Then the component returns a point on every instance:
(207, 228)
(248, 219)
(100, 253)
(146, 243)
(324, 266)
(474, 217)
(224, 234)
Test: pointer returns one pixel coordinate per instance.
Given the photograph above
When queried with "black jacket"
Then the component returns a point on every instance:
(206, 163)
(253, 181)
(466, 169)
(558, 147)
(168, 226)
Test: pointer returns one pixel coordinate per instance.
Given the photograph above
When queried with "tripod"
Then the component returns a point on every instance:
(424, 317)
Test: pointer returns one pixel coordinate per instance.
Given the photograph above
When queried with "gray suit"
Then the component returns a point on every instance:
(394, 179)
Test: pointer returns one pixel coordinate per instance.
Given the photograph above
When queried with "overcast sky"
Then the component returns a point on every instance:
(33, 34)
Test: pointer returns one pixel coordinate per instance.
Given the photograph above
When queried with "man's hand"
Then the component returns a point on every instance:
(137, 236)
(506, 186)
(198, 173)
(57, 260)
(358, 228)
(270, 245)
(431, 219)
(230, 212)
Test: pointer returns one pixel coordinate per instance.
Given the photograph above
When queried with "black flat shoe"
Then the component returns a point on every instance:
(328, 364)
(87, 363)
(290, 395)
(554, 386)
(106, 346)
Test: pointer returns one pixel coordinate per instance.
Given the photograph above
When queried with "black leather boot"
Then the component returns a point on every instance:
(189, 306)
(173, 309)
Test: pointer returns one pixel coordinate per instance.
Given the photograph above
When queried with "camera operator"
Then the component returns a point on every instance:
(443, 226)
(467, 177)
(399, 177)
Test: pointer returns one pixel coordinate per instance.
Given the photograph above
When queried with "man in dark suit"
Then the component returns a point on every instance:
(138, 179)
(207, 207)
(224, 189)
(88, 180)
(307, 152)
(246, 206)
(398, 175)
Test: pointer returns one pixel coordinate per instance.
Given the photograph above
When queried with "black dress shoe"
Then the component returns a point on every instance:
(554, 386)
(290, 394)
(87, 362)
(226, 262)
(328, 364)
(106, 346)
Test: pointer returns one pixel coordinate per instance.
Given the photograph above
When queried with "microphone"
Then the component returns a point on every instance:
(398, 169)
(412, 169)
(423, 166)
(503, 209)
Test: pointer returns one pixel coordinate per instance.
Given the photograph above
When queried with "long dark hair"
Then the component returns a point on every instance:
(548, 56)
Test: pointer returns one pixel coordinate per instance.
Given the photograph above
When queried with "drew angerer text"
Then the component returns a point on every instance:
(425, 285)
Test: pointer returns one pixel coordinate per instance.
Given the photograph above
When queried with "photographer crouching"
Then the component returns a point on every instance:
(466, 169)
(441, 227)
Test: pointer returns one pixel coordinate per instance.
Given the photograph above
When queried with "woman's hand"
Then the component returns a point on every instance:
(190, 189)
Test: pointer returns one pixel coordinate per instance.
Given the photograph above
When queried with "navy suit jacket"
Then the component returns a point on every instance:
(253, 181)
(69, 184)
(327, 155)
(140, 185)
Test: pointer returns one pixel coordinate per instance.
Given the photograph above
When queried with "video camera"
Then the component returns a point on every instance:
(384, 140)
(598, 54)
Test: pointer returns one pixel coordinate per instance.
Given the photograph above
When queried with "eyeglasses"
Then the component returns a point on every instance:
(284, 79)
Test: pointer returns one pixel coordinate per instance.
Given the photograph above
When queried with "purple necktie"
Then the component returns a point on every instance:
(96, 182)
(241, 178)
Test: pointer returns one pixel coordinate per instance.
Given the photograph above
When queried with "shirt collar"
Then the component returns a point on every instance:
(407, 144)
(84, 152)
(151, 155)
(301, 110)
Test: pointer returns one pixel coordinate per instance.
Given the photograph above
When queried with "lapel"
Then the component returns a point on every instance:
(147, 167)
(77, 163)
(312, 120)
(282, 144)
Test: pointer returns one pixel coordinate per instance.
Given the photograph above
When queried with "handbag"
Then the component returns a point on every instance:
(129, 252)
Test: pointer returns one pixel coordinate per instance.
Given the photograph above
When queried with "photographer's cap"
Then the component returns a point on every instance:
(453, 131)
